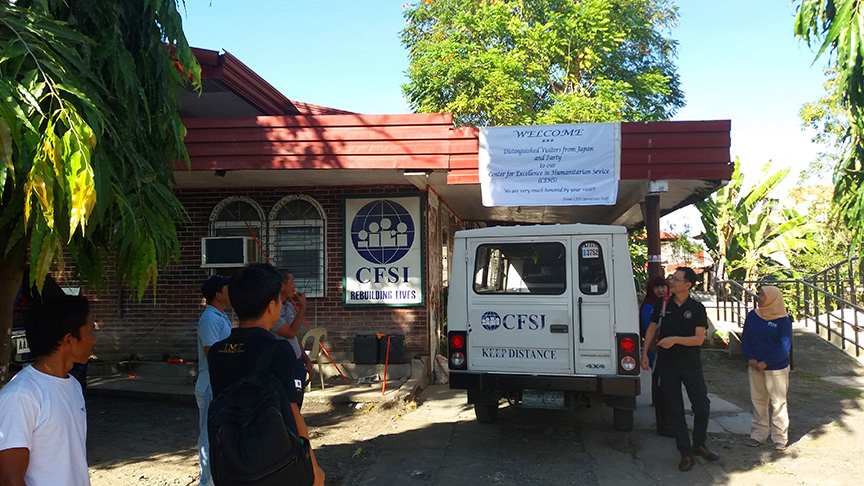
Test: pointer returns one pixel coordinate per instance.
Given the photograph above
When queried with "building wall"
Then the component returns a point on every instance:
(165, 326)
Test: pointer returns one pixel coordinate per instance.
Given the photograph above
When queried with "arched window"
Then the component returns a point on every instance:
(233, 217)
(230, 218)
(297, 242)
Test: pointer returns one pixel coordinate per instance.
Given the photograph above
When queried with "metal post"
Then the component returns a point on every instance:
(842, 330)
(651, 212)
(797, 300)
(837, 290)
(816, 315)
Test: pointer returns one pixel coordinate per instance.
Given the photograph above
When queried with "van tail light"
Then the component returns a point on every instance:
(627, 345)
(457, 350)
(628, 354)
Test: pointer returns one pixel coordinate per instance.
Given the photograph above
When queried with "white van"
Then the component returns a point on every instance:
(545, 316)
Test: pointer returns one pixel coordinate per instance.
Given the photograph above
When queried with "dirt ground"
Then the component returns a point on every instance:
(140, 442)
(133, 442)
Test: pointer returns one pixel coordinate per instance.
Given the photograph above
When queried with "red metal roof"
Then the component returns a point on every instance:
(415, 141)
(690, 150)
(653, 150)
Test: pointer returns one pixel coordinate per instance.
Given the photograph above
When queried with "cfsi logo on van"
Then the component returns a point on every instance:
(491, 321)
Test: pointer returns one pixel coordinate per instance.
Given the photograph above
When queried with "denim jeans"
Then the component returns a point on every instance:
(203, 398)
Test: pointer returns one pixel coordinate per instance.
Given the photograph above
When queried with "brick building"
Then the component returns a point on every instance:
(284, 177)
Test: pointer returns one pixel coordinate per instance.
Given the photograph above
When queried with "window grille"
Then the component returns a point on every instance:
(297, 242)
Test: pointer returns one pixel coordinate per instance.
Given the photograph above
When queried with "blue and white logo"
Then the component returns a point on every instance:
(382, 232)
(490, 320)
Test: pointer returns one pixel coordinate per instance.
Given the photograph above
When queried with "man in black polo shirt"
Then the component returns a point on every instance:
(254, 292)
(682, 332)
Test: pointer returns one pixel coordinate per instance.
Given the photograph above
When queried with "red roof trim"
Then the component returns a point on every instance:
(658, 150)
(310, 109)
(649, 150)
(354, 120)
(320, 142)
(252, 87)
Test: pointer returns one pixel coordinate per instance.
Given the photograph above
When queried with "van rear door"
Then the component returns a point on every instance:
(519, 305)
(593, 304)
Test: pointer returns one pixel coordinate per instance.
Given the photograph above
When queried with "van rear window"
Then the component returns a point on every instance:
(521, 268)
(592, 270)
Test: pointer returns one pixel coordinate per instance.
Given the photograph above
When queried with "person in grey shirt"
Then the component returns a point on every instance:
(290, 319)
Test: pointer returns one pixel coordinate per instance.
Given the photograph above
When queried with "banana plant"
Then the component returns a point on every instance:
(744, 228)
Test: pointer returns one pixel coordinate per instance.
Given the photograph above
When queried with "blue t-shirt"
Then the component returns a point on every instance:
(213, 326)
(767, 341)
(645, 322)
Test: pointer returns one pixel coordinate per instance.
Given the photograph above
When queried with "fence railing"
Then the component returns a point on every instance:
(734, 300)
(842, 279)
(838, 320)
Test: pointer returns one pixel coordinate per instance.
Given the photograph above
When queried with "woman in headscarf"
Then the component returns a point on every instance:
(765, 343)
(657, 290)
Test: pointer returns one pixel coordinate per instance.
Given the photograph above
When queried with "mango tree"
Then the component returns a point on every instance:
(522, 62)
(89, 129)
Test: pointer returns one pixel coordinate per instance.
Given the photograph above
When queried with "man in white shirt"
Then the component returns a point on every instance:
(213, 326)
(290, 320)
(43, 418)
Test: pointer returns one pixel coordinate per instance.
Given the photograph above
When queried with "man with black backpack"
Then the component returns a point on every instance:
(257, 435)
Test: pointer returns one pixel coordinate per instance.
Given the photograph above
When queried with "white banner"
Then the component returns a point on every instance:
(383, 258)
(550, 165)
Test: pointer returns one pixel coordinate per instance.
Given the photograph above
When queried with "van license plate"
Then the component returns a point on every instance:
(21, 346)
(543, 399)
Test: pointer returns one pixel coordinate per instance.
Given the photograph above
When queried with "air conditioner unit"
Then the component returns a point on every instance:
(229, 251)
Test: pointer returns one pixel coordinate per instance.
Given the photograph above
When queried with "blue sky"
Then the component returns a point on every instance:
(738, 60)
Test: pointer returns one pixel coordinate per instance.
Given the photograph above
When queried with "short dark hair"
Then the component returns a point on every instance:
(689, 275)
(252, 288)
(48, 324)
(212, 286)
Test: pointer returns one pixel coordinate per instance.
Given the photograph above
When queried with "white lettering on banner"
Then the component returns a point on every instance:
(519, 353)
(542, 166)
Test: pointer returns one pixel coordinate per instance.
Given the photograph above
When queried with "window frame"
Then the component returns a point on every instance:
(502, 269)
(600, 258)
(275, 224)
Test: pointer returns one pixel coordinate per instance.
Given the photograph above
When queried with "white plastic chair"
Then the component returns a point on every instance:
(317, 335)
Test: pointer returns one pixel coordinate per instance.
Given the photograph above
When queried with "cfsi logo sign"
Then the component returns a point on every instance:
(491, 321)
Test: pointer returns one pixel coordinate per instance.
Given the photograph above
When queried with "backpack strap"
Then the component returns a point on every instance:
(263, 363)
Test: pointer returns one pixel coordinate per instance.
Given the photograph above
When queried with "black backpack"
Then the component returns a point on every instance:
(253, 436)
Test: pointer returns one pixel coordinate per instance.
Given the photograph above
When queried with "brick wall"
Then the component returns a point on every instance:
(156, 328)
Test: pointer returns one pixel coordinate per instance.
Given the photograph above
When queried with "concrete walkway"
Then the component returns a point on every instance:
(445, 434)
(176, 381)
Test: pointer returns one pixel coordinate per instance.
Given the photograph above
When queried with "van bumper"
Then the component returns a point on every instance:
(623, 386)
